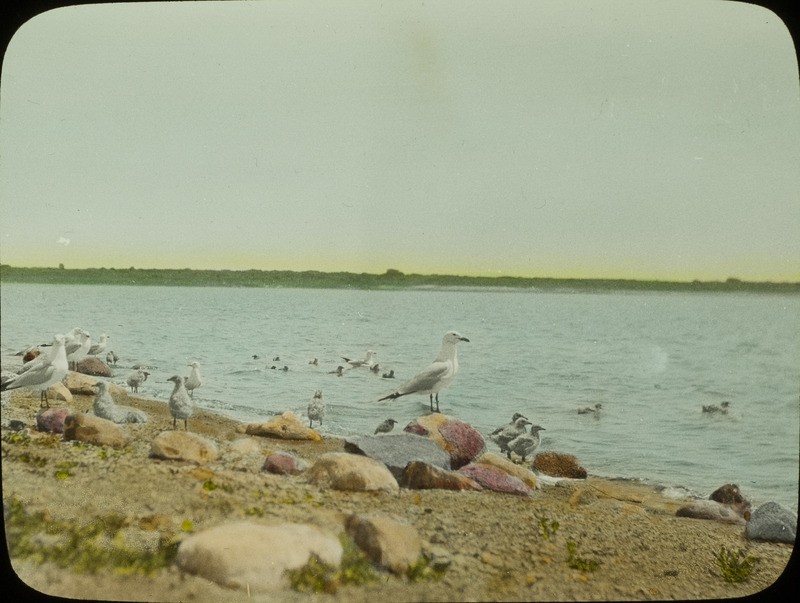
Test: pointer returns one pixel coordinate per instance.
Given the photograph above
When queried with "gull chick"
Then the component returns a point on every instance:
(510, 432)
(386, 426)
(316, 408)
(106, 408)
(136, 377)
(439, 375)
(525, 444)
(180, 404)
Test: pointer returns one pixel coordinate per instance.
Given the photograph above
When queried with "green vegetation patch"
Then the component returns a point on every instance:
(735, 570)
(90, 548)
(318, 577)
(579, 563)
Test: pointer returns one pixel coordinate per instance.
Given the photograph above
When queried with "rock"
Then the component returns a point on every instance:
(51, 420)
(773, 523)
(421, 476)
(287, 426)
(728, 495)
(94, 366)
(282, 463)
(244, 447)
(30, 355)
(496, 480)
(59, 391)
(344, 471)
(94, 430)
(388, 543)
(558, 465)
(458, 439)
(709, 509)
(183, 446)
(489, 459)
(255, 556)
(80, 384)
(396, 450)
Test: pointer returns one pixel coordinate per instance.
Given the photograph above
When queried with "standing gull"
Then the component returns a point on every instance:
(316, 408)
(385, 427)
(195, 379)
(77, 344)
(136, 377)
(99, 346)
(525, 444)
(438, 376)
(508, 433)
(180, 404)
(43, 371)
(106, 408)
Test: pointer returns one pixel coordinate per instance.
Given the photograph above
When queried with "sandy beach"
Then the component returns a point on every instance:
(495, 545)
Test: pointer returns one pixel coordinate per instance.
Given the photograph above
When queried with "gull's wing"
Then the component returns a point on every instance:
(427, 379)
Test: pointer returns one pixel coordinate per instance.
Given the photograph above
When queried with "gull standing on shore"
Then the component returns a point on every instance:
(316, 408)
(526, 443)
(438, 376)
(180, 404)
(106, 408)
(77, 344)
(99, 346)
(43, 371)
(195, 379)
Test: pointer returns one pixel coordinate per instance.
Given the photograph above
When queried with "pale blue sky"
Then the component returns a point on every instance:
(634, 139)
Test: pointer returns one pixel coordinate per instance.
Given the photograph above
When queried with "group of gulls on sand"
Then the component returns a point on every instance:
(52, 362)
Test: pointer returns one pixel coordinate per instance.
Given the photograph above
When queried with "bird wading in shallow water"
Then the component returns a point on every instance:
(439, 375)
(195, 379)
(316, 408)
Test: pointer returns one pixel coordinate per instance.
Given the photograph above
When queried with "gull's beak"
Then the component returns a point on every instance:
(465, 339)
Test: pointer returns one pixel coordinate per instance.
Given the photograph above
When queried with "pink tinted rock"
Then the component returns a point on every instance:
(281, 463)
(459, 440)
(496, 480)
(51, 420)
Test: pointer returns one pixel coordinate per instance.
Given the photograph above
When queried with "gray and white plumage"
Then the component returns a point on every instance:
(43, 371)
(514, 418)
(338, 372)
(180, 404)
(386, 426)
(439, 375)
(99, 346)
(111, 358)
(316, 408)
(106, 408)
(508, 433)
(525, 444)
(195, 379)
(136, 377)
(78, 347)
(368, 361)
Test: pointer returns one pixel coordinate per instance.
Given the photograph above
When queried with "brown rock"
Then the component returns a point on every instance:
(94, 366)
(80, 384)
(94, 430)
(282, 463)
(422, 476)
(59, 391)
(286, 427)
(728, 495)
(30, 356)
(386, 542)
(183, 446)
(558, 465)
(344, 471)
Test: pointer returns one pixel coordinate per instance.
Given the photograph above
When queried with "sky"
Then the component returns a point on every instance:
(643, 139)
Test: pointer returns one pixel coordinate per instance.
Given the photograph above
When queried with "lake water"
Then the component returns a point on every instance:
(651, 359)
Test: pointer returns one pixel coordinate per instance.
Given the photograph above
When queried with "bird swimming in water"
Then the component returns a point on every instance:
(314, 362)
(316, 408)
(589, 409)
(195, 379)
(337, 372)
(526, 443)
(386, 426)
(439, 375)
(180, 404)
(713, 408)
(369, 360)
(389, 375)
(507, 433)
(136, 378)
(106, 408)
(43, 371)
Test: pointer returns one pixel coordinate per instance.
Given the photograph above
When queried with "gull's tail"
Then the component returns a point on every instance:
(391, 396)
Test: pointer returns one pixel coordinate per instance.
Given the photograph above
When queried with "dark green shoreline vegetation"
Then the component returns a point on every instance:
(391, 279)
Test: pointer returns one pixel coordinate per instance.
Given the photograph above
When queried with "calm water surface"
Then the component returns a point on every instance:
(651, 359)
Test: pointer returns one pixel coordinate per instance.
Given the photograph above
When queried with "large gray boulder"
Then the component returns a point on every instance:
(398, 450)
(772, 522)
